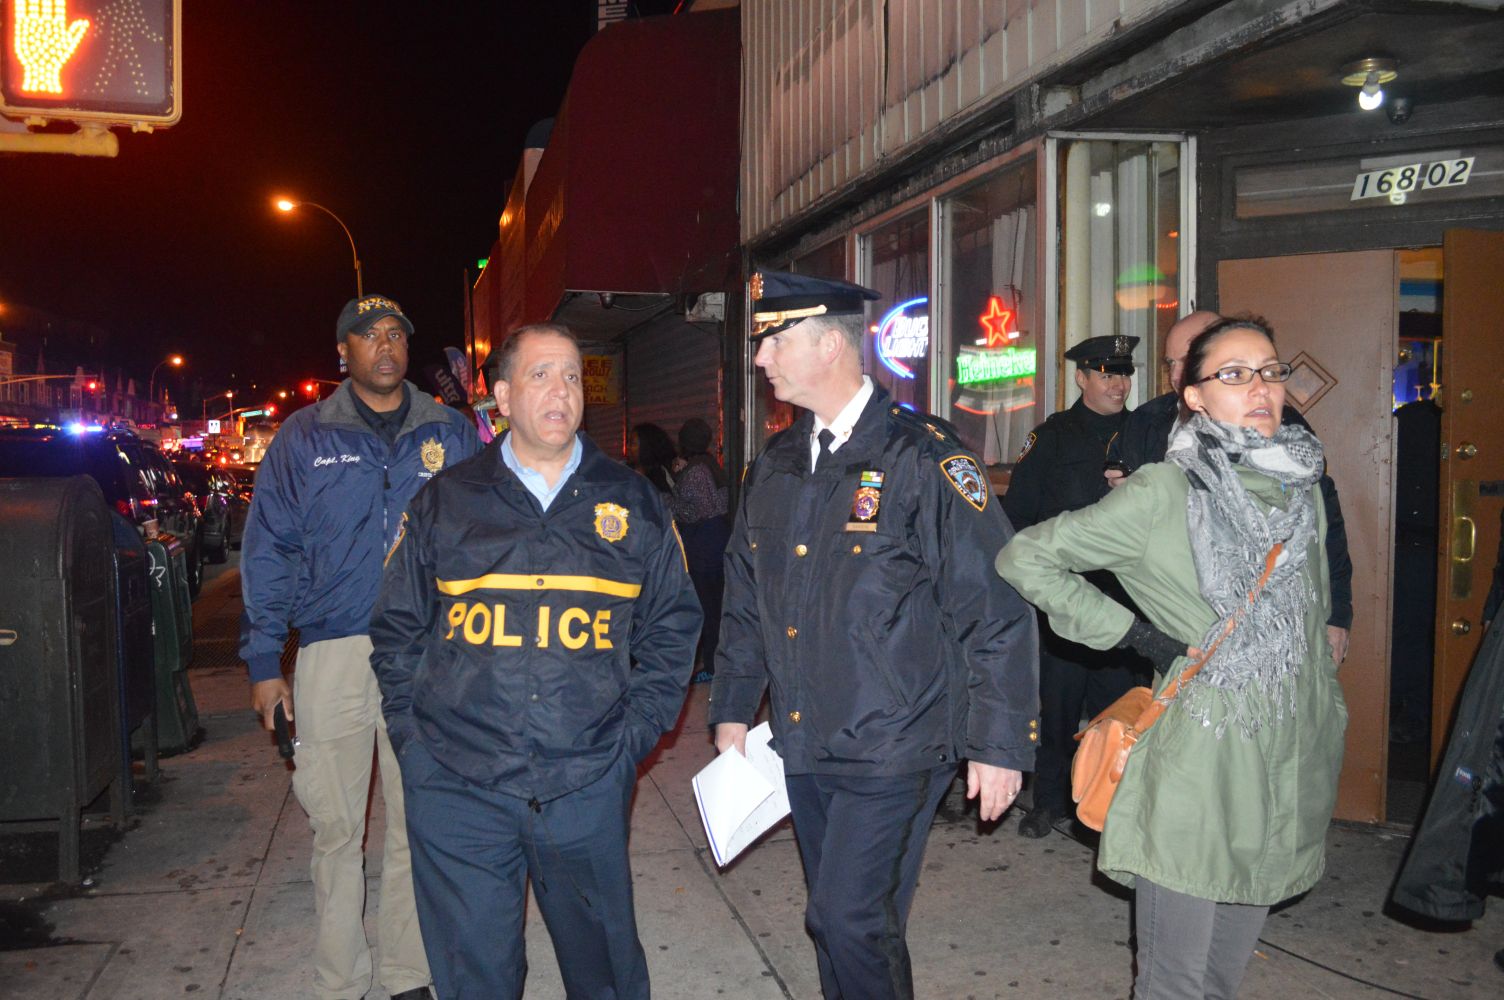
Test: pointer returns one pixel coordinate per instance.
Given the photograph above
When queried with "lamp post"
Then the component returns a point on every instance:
(176, 360)
(228, 394)
(288, 205)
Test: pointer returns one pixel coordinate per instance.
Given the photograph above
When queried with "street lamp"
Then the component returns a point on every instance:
(228, 394)
(176, 360)
(288, 205)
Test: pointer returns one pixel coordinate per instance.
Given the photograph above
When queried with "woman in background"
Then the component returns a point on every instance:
(1224, 804)
(700, 508)
(653, 455)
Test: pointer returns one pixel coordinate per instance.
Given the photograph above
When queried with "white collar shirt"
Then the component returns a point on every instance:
(843, 425)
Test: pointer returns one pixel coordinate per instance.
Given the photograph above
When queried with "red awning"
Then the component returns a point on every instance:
(636, 191)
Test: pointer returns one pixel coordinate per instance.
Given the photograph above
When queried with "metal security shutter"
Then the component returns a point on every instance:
(673, 374)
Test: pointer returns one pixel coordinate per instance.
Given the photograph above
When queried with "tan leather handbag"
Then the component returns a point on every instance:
(1104, 744)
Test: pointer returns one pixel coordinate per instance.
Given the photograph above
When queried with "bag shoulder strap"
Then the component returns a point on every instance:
(1162, 700)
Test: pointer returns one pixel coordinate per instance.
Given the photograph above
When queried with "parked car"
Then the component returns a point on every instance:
(218, 499)
(135, 476)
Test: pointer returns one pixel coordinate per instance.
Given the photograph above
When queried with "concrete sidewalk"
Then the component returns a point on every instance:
(209, 896)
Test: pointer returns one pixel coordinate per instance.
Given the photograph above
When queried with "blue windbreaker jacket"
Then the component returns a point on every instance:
(328, 504)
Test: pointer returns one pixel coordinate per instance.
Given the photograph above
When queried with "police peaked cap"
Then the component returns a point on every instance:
(1111, 355)
(781, 299)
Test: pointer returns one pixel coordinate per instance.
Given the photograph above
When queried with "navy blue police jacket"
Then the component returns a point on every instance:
(328, 503)
(862, 598)
(527, 649)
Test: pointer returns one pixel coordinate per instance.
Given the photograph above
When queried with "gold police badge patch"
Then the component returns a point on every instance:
(611, 521)
(432, 454)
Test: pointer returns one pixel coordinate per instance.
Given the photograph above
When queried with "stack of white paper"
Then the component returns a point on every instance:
(741, 798)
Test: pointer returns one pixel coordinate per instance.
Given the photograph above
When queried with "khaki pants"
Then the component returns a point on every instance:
(337, 708)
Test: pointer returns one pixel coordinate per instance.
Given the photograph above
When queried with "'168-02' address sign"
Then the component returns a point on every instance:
(1396, 182)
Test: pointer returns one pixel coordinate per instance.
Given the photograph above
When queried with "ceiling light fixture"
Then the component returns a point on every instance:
(1369, 76)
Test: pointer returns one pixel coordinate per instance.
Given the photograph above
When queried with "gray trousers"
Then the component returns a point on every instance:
(1191, 948)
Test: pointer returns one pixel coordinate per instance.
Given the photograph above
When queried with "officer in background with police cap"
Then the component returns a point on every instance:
(534, 637)
(860, 596)
(1060, 469)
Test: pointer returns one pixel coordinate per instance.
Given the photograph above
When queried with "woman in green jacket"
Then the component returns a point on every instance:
(1224, 804)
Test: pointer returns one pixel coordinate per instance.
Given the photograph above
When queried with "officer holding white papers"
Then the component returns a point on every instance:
(860, 596)
(533, 639)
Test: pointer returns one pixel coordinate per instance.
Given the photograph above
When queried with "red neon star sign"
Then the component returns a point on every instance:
(996, 321)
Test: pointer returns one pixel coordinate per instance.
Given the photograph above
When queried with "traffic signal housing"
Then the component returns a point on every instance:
(99, 61)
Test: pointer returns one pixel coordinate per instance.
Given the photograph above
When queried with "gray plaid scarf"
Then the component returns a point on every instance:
(1250, 679)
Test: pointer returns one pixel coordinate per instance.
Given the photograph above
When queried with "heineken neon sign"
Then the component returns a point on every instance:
(973, 367)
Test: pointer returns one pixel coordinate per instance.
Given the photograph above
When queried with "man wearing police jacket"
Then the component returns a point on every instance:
(533, 639)
(329, 501)
(860, 596)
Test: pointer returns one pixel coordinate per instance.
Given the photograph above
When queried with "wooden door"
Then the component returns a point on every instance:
(1334, 318)
(1472, 457)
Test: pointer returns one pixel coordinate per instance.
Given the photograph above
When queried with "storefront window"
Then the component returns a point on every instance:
(1119, 205)
(828, 260)
(990, 315)
(897, 349)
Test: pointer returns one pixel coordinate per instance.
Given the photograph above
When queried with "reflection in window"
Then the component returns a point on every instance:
(988, 272)
(897, 349)
(1119, 249)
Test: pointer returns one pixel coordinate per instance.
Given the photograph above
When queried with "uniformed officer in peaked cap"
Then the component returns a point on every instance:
(1060, 469)
(860, 596)
(1105, 355)
(781, 300)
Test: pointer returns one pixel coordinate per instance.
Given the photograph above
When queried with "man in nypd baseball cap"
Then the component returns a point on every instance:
(359, 315)
(335, 485)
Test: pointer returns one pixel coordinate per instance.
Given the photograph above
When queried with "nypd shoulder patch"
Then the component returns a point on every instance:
(967, 478)
(1028, 444)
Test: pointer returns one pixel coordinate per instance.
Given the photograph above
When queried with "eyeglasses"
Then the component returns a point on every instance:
(1242, 374)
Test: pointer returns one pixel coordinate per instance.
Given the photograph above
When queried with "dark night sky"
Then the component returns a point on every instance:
(406, 118)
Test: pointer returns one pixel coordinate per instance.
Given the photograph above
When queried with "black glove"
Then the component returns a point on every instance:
(1149, 642)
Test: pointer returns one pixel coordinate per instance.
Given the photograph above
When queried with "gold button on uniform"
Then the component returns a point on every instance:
(793, 631)
(801, 549)
(793, 716)
(856, 549)
(752, 546)
(1033, 736)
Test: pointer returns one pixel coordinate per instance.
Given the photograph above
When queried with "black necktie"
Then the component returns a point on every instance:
(825, 438)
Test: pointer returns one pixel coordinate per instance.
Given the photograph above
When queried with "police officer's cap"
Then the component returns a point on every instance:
(359, 314)
(781, 299)
(1112, 355)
